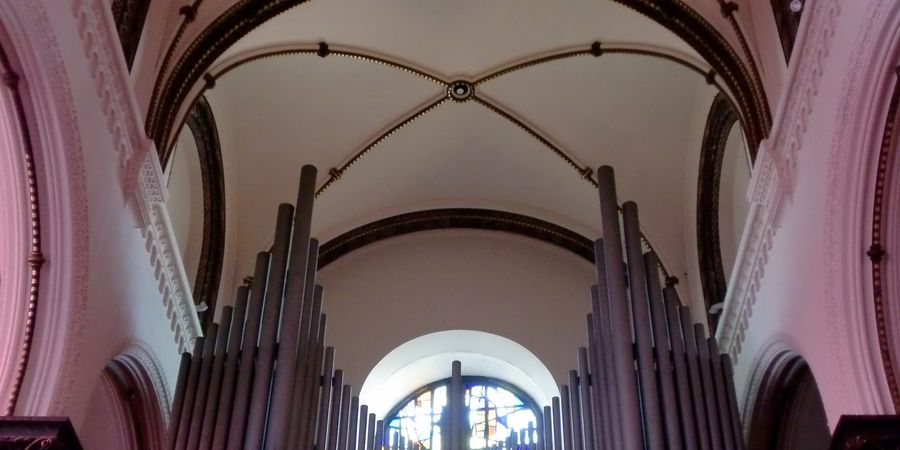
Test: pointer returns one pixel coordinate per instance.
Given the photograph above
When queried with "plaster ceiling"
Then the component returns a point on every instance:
(642, 115)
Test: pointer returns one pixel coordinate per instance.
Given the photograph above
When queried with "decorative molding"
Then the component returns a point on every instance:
(867, 433)
(850, 303)
(202, 125)
(773, 175)
(155, 376)
(31, 433)
(143, 392)
(752, 256)
(29, 267)
(788, 407)
(173, 87)
(129, 17)
(719, 122)
(165, 258)
(141, 177)
(113, 85)
(744, 85)
(884, 230)
(53, 371)
(792, 117)
(455, 218)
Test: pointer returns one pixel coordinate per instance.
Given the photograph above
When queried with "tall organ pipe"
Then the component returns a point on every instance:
(663, 353)
(283, 385)
(629, 414)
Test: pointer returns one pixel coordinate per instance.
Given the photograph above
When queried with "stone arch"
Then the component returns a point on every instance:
(141, 385)
(173, 87)
(788, 412)
(55, 313)
(856, 271)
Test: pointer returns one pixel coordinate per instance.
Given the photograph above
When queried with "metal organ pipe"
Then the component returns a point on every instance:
(646, 380)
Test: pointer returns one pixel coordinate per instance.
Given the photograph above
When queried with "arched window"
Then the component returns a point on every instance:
(498, 415)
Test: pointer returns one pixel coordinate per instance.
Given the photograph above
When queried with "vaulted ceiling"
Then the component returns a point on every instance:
(360, 89)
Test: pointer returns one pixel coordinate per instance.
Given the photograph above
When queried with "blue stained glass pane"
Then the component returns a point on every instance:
(494, 414)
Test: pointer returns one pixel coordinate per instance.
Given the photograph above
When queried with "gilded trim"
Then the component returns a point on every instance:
(456, 218)
(202, 124)
(745, 85)
(172, 88)
(876, 251)
(35, 260)
(721, 119)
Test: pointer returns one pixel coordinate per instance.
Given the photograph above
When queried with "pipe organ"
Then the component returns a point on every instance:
(646, 379)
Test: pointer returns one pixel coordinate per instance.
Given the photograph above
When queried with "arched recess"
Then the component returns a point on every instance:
(139, 382)
(885, 244)
(45, 371)
(788, 413)
(427, 358)
(172, 88)
(716, 138)
(860, 287)
(202, 125)
(129, 404)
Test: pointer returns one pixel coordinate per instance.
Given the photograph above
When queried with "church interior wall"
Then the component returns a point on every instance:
(799, 303)
(388, 293)
(122, 298)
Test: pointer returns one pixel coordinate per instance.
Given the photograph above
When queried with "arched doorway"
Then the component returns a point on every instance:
(788, 413)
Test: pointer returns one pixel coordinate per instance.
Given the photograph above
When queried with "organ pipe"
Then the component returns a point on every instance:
(647, 378)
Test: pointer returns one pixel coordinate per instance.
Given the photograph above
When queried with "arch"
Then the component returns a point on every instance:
(719, 123)
(20, 236)
(202, 125)
(139, 383)
(853, 267)
(884, 234)
(427, 359)
(172, 89)
(788, 412)
(322, 50)
(438, 219)
(57, 317)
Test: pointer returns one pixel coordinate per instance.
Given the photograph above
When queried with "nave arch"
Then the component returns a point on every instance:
(48, 241)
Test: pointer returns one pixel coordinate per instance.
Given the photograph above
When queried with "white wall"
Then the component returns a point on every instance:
(185, 202)
(122, 303)
(395, 290)
(733, 203)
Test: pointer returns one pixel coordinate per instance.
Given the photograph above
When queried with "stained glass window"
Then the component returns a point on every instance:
(499, 416)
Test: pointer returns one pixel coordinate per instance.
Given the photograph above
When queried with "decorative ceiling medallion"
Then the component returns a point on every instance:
(460, 90)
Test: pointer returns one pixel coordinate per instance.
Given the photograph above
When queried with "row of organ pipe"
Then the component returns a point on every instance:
(648, 379)
(262, 377)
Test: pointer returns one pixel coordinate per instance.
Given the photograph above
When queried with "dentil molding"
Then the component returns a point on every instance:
(160, 243)
(139, 171)
(774, 173)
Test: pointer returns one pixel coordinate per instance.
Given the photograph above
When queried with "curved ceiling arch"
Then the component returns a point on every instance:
(174, 86)
(323, 50)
